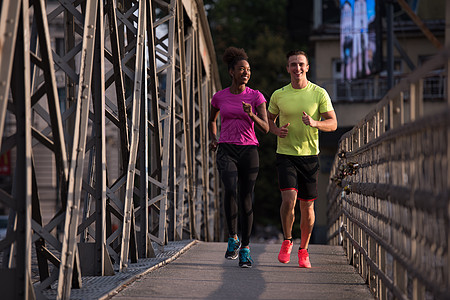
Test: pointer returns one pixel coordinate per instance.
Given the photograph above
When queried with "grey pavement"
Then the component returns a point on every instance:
(202, 272)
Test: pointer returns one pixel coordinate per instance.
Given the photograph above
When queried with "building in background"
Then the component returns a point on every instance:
(351, 61)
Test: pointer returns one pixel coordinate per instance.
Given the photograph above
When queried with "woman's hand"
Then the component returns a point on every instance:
(247, 107)
(213, 145)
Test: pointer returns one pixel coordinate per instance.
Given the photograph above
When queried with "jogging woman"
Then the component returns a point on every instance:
(240, 108)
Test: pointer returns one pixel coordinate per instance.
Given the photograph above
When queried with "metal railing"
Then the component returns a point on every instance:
(389, 192)
(139, 73)
(371, 90)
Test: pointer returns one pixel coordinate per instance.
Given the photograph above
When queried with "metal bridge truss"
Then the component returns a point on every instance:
(141, 71)
(389, 192)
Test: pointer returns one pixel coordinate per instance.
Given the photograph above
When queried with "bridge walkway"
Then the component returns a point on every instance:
(202, 272)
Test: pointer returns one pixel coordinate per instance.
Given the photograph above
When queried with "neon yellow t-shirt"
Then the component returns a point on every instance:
(289, 104)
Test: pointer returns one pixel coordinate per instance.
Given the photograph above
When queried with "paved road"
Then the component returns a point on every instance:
(202, 272)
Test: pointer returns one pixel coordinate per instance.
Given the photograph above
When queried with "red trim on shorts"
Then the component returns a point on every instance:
(307, 200)
(289, 189)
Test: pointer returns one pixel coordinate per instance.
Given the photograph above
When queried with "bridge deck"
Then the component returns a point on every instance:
(202, 272)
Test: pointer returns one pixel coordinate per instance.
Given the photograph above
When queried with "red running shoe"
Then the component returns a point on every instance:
(303, 259)
(285, 252)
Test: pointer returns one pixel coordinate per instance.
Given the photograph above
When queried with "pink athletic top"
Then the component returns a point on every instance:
(236, 126)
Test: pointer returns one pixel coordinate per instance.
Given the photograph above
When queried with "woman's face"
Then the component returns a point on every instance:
(240, 74)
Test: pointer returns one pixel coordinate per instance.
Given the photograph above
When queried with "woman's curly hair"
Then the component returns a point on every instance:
(232, 55)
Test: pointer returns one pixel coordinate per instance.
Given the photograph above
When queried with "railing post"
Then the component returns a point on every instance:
(396, 112)
(416, 100)
(400, 277)
(381, 261)
(372, 278)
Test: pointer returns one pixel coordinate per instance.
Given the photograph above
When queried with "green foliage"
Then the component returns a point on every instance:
(257, 26)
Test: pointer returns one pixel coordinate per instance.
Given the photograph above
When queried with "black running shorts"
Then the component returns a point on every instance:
(299, 173)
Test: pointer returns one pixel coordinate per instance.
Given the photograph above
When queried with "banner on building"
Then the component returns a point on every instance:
(360, 47)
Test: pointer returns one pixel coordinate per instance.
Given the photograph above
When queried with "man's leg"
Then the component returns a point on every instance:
(306, 222)
(306, 226)
(287, 211)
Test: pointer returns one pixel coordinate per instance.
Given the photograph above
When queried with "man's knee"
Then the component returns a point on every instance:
(288, 203)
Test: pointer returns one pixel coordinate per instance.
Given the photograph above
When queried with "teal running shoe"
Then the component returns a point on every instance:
(233, 248)
(245, 260)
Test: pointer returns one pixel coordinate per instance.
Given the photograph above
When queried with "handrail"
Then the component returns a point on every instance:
(388, 196)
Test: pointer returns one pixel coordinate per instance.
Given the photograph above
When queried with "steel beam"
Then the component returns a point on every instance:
(138, 87)
(69, 253)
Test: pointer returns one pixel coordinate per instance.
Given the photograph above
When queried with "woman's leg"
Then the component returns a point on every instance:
(229, 176)
(248, 172)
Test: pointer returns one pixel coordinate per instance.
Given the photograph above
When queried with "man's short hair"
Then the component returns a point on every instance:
(297, 52)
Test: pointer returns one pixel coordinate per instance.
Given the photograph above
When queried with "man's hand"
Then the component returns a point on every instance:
(283, 132)
(308, 120)
(247, 108)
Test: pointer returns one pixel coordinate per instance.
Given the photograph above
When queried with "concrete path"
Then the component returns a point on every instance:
(202, 272)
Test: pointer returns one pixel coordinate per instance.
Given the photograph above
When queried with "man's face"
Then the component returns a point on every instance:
(297, 67)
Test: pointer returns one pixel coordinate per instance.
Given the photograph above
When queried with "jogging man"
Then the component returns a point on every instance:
(303, 109)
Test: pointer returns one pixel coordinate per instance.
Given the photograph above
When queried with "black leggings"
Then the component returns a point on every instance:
(238, 167)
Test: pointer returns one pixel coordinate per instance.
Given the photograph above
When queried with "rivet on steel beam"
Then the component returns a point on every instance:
(397, 110)
(90, 36)
(91, 26)
(371, 129)
(355, 141)
(85, 86)
(373, 277)
(374, 290)
(381, 120)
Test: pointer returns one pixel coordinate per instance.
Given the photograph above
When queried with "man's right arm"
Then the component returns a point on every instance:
(278, 131)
